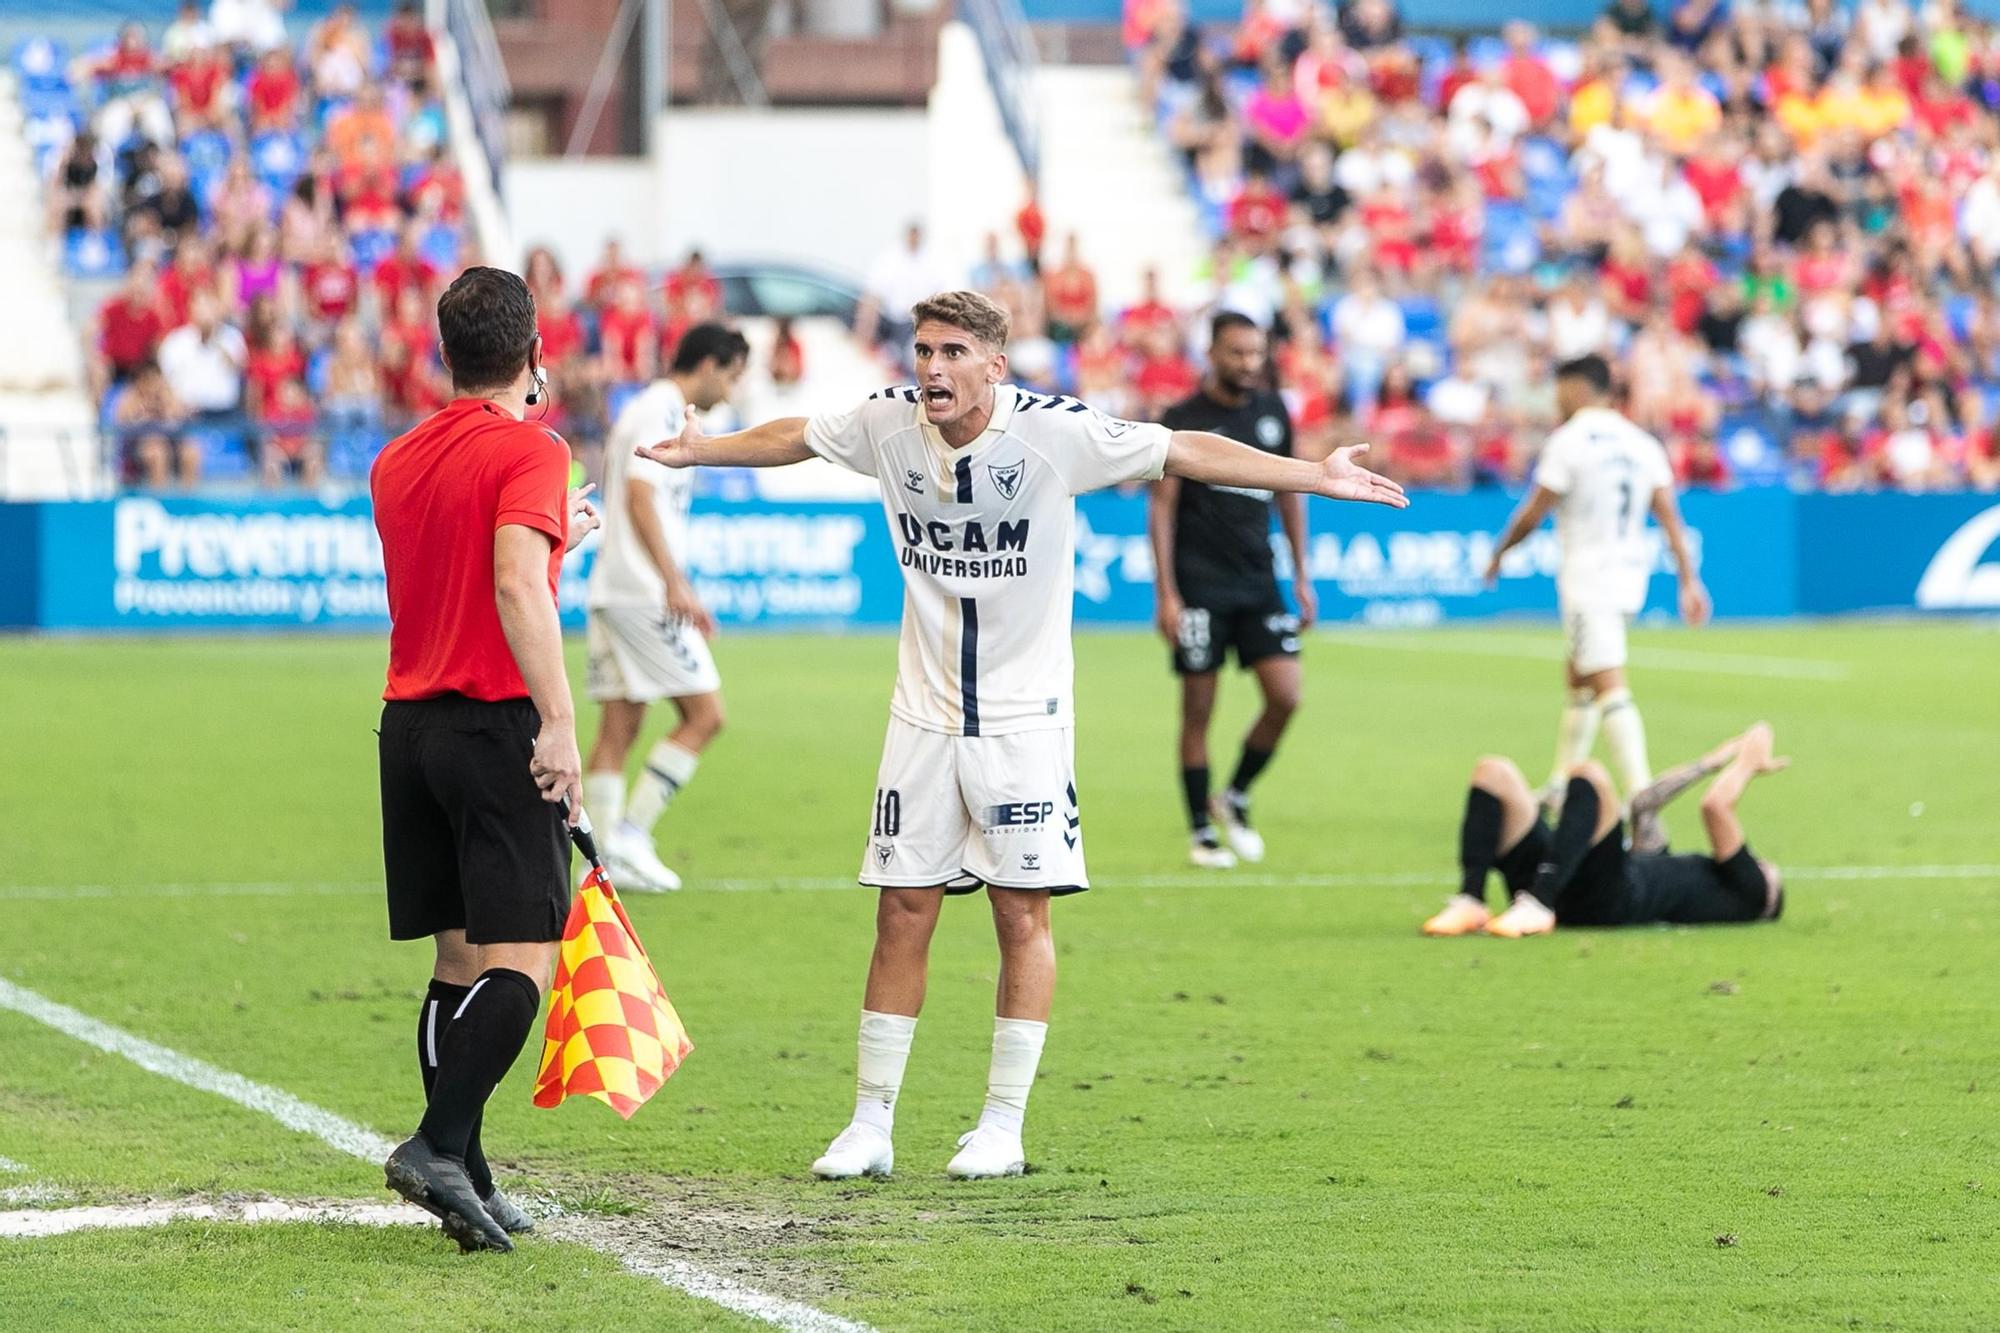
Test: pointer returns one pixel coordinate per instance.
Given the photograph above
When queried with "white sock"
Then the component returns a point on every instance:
(1575, 735)
(1017, 1050)
(878, 1077)
(604, 799)
(1625, 737)
(668, 769)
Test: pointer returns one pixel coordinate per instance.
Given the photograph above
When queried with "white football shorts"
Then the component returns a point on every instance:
(642, 656)
(962, 811)
(1596, 638)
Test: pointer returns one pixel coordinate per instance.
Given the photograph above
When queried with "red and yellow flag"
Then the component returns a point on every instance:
(612, 1032)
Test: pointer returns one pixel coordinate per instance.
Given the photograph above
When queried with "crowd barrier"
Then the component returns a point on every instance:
(171, 563)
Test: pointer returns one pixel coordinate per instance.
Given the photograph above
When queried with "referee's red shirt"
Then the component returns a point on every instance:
(441, 492)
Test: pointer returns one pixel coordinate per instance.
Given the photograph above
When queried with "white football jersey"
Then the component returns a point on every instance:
(986, 536)
(1607, 471)
(624, 574)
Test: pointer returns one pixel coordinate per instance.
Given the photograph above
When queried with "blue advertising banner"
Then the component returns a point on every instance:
(143, 563)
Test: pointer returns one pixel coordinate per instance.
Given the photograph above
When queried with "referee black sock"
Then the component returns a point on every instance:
(1248, 767)
(1570, 844)
(475, 1053)
(1478, 842)
(1194, 785)
(441, 1002)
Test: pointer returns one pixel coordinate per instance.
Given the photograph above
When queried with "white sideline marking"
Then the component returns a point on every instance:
(358, 1141)
(1392, 879)
(32, 1224)
(1657, 659)
(10, 1167)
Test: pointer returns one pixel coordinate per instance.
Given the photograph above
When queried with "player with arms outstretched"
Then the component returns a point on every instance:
(1601, 475)
(648, 631)
(1582, 873)
(977, 783)
(1217, 588)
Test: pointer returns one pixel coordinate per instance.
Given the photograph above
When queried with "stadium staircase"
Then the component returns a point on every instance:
(48, 435)
(1107, 175)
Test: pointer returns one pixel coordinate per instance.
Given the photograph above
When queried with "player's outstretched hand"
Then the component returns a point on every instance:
(583, 519)
(1695, 605)
(679, 451)
(1756, 751)
(1342, 478)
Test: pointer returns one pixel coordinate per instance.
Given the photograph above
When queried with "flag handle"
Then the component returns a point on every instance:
(580, 833)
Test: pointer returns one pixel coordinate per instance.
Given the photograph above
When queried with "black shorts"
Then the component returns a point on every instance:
(1213, 627)
(1600, 894)
(467, 840)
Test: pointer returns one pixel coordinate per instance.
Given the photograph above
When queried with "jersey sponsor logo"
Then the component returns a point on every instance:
(1960, 575)
(913, 481)
(1031, 860)
(1270, 432)
(937, 547)
(1007, 477)
(1017, 814)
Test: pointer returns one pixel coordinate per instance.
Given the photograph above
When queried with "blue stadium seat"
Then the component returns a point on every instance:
(1486, 49)
(278, 157)
(225, 454)
(617, 396)
(1512, 243)
(42, 65)
(371, 248)
(1749, 442)
(1422, 318)
(48, 103)
(93, 254)
(442, 246)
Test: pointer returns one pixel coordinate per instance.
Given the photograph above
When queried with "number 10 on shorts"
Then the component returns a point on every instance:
(888, 812)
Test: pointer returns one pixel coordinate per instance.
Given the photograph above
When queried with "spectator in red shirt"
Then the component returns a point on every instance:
(691, 283)
(1137, 322)
(543, 274)
(1070, 292)
(1528, 76)
(406, 269)
(1461, 73)
(601, 289)
(1165, 375)
(328, 283)
(1698, 461)
(628, 336)
(190, 272)
(273, 361)
(1257, 213)
(273, 93)
(290, 444)
(439, 185)
(128, 91)
(1033, 228)
(411, 50)
(201, 85)
(131, 324)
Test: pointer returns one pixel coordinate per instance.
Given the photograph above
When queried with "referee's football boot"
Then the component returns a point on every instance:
(1205, 850)
(858, 1150)
(438, 1184)
(1232, 811)
(635, 864)
(988, 1153)
(507, 1213)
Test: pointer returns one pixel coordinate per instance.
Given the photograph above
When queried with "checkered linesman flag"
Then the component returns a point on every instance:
(612, 1032)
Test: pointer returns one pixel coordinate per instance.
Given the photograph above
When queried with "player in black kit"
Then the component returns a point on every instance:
(1581, 873)
(1217, 591)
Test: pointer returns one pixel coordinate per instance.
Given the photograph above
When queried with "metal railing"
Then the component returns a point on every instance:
(1009, 51)
(481, 73)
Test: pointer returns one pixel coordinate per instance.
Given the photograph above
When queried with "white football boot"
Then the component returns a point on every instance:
(1526, 915)
(858, 1150)
(635, 864)
(1246, 842)
(987, 1153)
(1205, 851)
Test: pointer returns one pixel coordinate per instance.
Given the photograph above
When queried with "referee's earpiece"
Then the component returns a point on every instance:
(539, 380)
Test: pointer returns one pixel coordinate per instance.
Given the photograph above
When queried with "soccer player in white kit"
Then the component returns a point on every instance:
(977, 783)
(1602, 475)
(649, 633)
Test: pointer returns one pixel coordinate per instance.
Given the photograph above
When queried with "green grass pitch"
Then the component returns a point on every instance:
(1266, 1102)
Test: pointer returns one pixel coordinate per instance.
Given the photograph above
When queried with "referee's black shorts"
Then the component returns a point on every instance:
(467, 840)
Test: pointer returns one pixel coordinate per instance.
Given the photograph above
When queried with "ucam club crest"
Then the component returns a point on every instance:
(1006, 477)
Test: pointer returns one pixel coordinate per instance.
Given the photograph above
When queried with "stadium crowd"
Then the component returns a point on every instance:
(1781, 220)
(278, 219)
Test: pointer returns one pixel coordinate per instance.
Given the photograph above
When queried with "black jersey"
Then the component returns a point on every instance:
(1696, 890)
(1222, 534)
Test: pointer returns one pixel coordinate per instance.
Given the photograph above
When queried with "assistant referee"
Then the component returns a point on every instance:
(478, 737)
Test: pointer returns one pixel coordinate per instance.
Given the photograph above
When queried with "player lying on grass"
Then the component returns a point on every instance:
(977, 784)
(1580, 873)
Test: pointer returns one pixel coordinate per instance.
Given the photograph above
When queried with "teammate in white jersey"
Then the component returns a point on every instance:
(648, 630)
(977, 785)
(1602, 475)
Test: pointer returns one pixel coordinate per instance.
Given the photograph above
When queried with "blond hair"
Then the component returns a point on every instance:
(978, 315)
